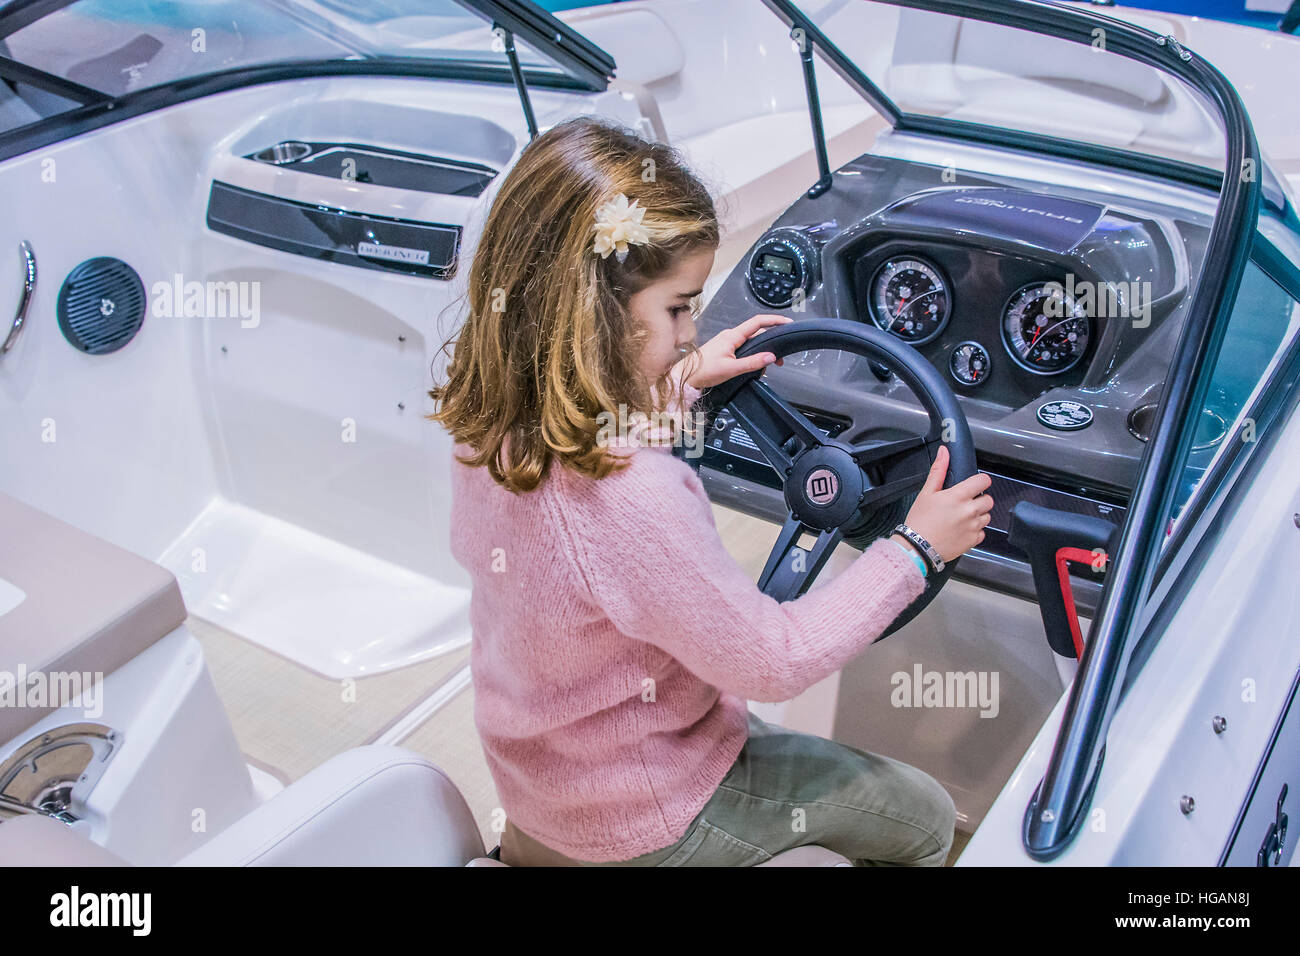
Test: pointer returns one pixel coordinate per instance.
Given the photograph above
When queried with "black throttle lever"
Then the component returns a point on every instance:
(1050, 539)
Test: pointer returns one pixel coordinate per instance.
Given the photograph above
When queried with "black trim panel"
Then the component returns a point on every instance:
(334, 235)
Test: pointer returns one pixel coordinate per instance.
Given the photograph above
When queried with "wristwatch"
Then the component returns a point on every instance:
(922, 545)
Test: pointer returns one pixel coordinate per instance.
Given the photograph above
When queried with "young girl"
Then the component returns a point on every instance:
(615, 641)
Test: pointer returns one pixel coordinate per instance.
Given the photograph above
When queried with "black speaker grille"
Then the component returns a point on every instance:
(101, 305)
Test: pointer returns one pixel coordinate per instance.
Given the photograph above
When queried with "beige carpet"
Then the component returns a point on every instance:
(289, 720)
(750, 540)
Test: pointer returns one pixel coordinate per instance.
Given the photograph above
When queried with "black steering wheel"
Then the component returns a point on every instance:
(836, 491)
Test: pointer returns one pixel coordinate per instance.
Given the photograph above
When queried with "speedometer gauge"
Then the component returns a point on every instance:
(1044, 330)
(910, 299)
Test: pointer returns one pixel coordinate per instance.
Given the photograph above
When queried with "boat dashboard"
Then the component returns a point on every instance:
(1052, 312)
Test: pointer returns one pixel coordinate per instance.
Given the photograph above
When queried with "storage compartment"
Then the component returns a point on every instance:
(404, 132)
(380, 166)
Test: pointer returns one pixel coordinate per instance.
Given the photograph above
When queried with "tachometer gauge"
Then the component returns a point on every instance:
(910, 299)
(970, 363)
(1044, 330)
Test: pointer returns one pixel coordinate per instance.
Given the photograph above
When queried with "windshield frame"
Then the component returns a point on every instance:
(581, 66)
(1023, 15)
(1227, 481)
(1056, 811)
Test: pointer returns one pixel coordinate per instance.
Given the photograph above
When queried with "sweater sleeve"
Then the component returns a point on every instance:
(645, 545)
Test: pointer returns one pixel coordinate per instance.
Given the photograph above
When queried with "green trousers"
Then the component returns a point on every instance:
(789, 789)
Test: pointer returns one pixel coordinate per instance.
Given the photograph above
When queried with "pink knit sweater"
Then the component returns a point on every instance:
(615, 642)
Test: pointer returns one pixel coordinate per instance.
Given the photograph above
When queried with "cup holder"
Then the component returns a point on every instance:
(1209, 433)
(282, 154)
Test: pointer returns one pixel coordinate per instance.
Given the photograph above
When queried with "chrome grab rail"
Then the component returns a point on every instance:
(29, 286)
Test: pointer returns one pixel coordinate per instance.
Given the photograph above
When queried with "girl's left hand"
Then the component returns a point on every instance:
(718, 355)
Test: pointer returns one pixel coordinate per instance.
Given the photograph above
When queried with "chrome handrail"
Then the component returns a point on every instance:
(29, 286)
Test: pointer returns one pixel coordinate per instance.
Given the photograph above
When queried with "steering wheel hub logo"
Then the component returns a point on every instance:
(822, 486)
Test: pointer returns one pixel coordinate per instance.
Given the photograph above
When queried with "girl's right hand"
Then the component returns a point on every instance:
(951, 519)
(718, 361)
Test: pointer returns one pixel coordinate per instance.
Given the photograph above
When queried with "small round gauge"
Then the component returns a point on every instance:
(970, 363)
(1044, 330)
(910, 299)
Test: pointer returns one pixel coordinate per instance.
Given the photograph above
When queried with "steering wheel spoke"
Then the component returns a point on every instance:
(790, 568)
(884, 453)
(883, 494)
(764, 415)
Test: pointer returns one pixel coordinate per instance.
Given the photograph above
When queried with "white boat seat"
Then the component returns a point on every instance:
(34, 839)
(936, 52)
(37, 840)
(808, 856)
(77, 603)
(375, 805)
(799, 856)
(640, 40)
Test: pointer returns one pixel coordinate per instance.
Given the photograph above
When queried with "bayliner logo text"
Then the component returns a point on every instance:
(102, 909)
(396, 253)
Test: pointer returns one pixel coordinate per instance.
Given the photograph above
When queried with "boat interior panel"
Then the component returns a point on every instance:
(216, 409)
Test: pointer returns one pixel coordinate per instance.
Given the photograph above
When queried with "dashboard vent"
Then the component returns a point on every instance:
(101, 305)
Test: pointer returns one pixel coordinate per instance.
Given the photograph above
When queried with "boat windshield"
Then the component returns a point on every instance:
(938, 66)
(118, 47)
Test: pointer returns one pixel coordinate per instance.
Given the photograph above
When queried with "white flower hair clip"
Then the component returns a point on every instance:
(618, 225)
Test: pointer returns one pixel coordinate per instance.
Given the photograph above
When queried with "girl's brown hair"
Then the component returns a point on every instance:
(549, 342)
